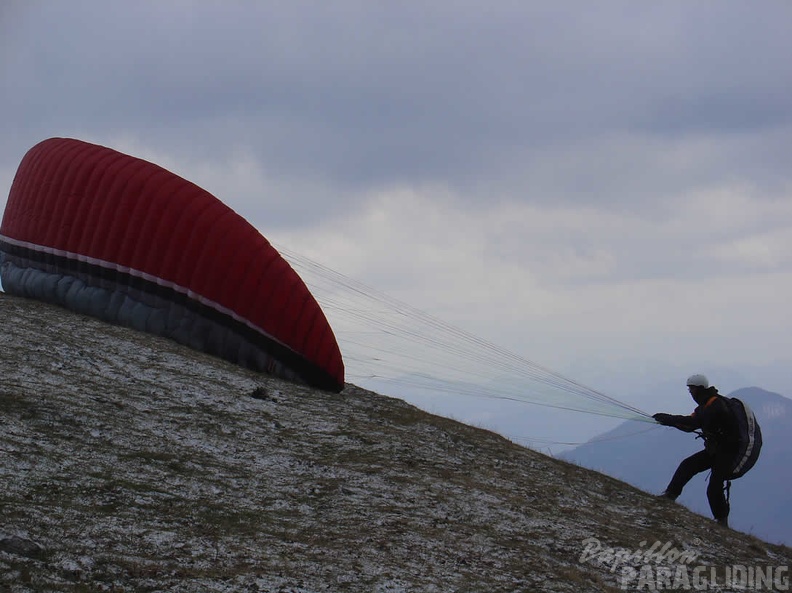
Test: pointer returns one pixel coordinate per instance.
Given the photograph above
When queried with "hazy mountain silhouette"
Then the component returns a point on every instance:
(646, 456)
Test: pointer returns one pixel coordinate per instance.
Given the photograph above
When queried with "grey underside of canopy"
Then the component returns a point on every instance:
(119, 303)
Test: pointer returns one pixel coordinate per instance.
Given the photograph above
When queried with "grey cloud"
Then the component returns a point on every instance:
(355, 94)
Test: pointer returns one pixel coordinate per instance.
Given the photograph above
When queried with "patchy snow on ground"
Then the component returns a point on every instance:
(130, 463)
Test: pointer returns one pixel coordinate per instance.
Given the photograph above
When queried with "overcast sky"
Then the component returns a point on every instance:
(604, 188)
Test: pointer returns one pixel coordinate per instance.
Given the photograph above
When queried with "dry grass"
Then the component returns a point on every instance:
(141, 466)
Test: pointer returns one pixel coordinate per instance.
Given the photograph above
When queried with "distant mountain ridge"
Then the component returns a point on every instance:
(761, 501)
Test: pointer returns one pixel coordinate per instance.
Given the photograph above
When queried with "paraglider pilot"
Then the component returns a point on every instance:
(719, 429)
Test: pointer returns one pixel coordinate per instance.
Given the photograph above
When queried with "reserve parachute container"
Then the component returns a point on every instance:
(119, 238)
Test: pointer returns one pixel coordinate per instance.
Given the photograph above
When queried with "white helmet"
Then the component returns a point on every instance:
(697, 381)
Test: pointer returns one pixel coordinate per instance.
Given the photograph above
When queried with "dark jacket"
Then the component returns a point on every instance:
(714, 418)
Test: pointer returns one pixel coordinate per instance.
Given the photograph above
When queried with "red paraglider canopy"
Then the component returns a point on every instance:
(125, 240)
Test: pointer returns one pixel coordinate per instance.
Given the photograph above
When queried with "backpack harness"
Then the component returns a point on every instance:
(749, 438)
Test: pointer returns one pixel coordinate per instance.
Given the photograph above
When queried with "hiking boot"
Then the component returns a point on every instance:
(667, 494)
(723, 521)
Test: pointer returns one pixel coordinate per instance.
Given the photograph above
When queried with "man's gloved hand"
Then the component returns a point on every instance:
(664, 419)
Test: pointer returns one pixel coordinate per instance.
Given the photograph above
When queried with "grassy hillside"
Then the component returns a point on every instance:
(128, 463)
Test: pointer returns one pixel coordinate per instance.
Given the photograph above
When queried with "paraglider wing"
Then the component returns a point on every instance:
(119, 238)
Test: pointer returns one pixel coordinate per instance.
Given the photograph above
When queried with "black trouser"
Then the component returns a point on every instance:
(697, 463)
